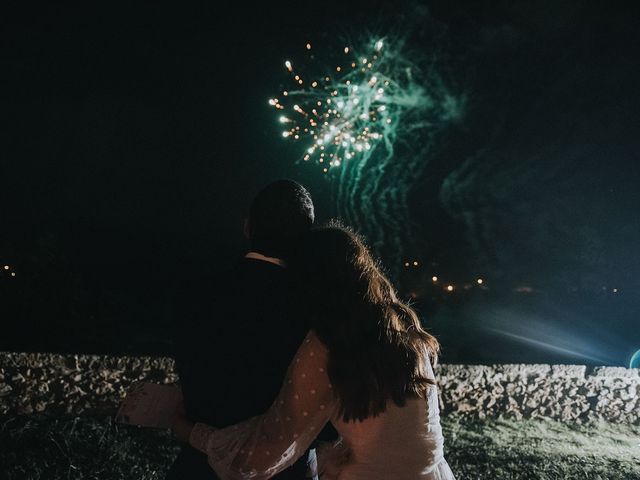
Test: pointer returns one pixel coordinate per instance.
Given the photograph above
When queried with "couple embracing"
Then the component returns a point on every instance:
(304, 340)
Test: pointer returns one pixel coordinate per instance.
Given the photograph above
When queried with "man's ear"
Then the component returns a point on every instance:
(247, 229)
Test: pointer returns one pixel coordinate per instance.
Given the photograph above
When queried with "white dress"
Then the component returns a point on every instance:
(403, 443)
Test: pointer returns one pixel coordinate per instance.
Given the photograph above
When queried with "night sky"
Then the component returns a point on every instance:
(133, 137)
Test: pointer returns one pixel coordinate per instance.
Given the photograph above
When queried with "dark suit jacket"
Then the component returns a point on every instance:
(235, 336)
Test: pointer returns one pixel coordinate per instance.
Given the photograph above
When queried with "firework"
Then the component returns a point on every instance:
(368, 115)
(343, 114)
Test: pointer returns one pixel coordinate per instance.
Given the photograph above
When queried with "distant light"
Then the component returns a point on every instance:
(434, 278)
(415, 264)
(449, 288)
(288, 65)
(308, 46)
(6, 267)
(406, 264)
(615, 290)
(480, 281)
(13, 274)
(523, 289)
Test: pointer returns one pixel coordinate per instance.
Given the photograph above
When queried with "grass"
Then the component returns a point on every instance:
(541, 450)
(43, 447)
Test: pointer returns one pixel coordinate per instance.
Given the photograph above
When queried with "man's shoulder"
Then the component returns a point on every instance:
(248, 267)
(256, 274)
(245, 277)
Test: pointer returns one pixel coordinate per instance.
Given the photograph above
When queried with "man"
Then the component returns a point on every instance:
(238, 331)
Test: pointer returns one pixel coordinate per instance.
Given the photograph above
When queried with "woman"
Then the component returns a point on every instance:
(365, 366)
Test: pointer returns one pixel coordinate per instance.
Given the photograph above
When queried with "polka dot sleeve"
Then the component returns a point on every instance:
(263, 446)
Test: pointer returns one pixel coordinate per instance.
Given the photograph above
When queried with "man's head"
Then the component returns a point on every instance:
(279, 214)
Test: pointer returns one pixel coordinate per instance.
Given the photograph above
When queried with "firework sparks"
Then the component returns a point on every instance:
(344, 115)
(368, 117)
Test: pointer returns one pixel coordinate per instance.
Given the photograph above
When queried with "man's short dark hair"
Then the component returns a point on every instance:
(279, 214)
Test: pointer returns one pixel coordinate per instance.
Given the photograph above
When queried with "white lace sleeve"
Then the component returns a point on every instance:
(263, 446)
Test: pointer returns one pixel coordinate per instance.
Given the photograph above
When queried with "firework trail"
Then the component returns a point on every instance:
(368, 123)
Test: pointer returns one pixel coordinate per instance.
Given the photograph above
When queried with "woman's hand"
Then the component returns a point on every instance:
(332, 458)
(182, 426)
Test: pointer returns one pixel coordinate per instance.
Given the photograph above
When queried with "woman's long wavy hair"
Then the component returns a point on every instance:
(377, 347)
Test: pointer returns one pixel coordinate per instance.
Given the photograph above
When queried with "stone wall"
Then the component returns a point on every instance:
(74, 384)
(94, 385)
(561, 392)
